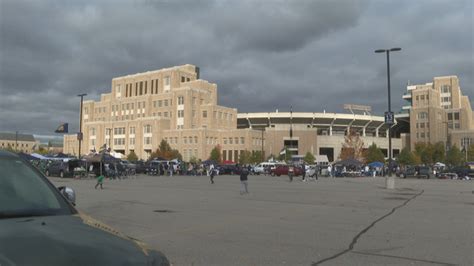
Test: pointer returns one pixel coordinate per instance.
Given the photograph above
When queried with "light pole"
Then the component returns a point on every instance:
(79, 136)
(389, 115)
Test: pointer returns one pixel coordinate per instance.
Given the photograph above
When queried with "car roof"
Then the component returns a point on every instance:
(7, 154)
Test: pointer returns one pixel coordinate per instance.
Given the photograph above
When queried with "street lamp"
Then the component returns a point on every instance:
(389, 115)
(79, 136)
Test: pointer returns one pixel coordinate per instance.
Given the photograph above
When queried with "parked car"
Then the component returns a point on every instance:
(447, 175)
(140, 167)
(40, 225)
(261, 167)
(228, 169)
(418, 171)
(283, 170)
(62, 168)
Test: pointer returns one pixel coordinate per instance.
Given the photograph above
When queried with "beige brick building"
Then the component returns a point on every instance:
(174, 104)
(171, 104)
(20, 142)
(439, 112)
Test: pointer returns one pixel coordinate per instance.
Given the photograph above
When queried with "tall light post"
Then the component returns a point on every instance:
(389, 117)
(79, 136)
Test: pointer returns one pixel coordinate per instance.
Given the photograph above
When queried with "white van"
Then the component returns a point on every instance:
(260, 168)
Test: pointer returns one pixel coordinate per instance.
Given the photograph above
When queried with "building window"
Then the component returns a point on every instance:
(132, 130)
(422, 115)
(166, 103)
(204, 114)
(225, 140)
(147, 129)
(180, 113)
(180, 100)
(183, 79)
(242, 140)
(195, 140)
(456, 116)
(147, 140)
(132, 141)
(230, 140)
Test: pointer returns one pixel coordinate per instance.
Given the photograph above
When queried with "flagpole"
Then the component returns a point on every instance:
(291, 128)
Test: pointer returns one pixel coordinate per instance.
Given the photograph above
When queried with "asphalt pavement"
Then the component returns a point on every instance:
(332, 221)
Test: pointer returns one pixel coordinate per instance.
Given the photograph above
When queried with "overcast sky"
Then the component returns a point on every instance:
(263, 55)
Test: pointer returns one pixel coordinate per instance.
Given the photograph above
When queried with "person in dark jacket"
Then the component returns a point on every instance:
(244, 181)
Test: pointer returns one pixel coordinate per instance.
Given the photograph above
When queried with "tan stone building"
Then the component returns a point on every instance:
(174, 104)
(171, 104)
(20, 142)
(439, 112)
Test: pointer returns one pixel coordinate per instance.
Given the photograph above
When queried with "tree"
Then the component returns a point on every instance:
(216, 154)
(454, 156)
(245, 157)
(406, 157)
(353, 146)
(132, 156)
(374, 154)
(165, 151)
(309, 158)
(470, 153)
(256, 157)
(193, 160)
(425, 152)
(438, 152)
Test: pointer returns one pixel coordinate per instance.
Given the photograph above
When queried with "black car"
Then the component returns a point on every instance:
(40, 226)
(140, 167)
(418, 172)
(62, 168)
(228, 169)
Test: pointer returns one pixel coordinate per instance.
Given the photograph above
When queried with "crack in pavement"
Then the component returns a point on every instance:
(355, 238)
(404, 258)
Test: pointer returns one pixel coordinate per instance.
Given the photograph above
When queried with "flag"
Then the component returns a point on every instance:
(63, 128)
(291, 122)
(283, 151)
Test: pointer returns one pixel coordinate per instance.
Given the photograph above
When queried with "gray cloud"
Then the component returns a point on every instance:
(264, 55)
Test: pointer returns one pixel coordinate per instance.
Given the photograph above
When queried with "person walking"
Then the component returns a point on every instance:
(330, 170)
(291, 172)
(100, 181)
(244, 181)
(212, 172)
(304, 172)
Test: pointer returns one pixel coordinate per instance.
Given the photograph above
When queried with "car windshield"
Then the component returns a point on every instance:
(23, 192)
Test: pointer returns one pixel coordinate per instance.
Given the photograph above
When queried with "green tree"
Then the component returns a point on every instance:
(438, 152)
(216, 154)
(164, 151)
(193, 160)
(374, 154)
(454, 156)
(245, 157)
(132, 156)
(309, 158)
(425, 152)
(470, 153)
(256, 157)
(406, 157)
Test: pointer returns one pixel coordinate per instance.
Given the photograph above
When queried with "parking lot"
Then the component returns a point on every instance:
(333, 221)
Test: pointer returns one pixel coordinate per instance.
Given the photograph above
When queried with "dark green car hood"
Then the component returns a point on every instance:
(69, 240)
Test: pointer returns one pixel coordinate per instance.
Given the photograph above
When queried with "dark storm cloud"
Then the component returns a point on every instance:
(263, 55)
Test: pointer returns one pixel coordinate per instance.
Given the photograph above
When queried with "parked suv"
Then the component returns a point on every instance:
(421, 171)
(62, 168)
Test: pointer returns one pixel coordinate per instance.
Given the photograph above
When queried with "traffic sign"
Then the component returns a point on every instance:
(389, 118)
